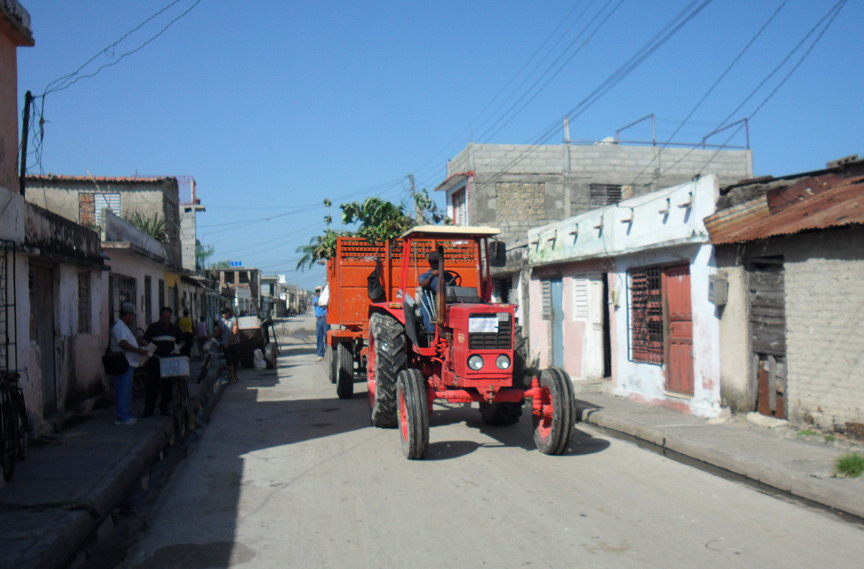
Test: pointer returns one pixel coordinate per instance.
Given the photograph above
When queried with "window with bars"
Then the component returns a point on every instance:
(84, 303)
(646, 315)
(604, 194)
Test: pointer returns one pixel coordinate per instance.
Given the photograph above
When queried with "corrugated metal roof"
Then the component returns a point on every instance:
(817, 202)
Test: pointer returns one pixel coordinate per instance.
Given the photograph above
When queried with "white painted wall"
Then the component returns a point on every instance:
(662, 228)
(647, 381)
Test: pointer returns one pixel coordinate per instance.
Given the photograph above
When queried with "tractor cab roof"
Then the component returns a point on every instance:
(444, 231)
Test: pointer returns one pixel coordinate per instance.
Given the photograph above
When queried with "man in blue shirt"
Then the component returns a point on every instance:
(429, 284)
(321, 325)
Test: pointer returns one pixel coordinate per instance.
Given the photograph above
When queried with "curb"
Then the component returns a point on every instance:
(841, 500)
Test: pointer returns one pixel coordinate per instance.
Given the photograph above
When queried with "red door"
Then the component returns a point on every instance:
(679, 350)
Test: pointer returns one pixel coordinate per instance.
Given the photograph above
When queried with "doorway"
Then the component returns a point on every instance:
(41, 280)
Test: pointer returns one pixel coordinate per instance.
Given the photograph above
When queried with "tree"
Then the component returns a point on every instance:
(379, 220)
(203, 252)
(221, 265)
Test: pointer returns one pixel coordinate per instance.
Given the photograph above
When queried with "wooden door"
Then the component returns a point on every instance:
(42, 330)
(768, 335)
(679, 351)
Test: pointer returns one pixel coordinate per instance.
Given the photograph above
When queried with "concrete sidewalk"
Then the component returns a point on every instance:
(62, 495)
(767, 451)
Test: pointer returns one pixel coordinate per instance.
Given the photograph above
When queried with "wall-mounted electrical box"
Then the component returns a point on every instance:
(718, 290)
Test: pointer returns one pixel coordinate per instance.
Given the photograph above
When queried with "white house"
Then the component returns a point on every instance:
(622, 292)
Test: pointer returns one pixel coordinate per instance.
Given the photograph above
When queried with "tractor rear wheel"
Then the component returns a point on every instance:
(501, 414)
(344, 371)
(413, 413)
(387, 357)
(552, 427)
(332, 363)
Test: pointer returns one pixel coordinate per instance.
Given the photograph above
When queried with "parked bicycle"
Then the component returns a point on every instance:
(176, 370)
(14, 425)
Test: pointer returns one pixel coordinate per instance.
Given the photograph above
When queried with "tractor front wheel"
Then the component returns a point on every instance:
(413, 413)
(345, 372)
(554, 423)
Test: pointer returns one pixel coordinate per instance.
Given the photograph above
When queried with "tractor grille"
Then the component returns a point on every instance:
(492, 340)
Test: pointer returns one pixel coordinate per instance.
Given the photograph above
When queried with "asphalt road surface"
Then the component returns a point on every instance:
(287, 475)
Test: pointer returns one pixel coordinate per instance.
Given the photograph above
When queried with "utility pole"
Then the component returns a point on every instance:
(25, 129)
(418, 214)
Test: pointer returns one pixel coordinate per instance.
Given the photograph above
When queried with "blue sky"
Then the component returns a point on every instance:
(274, 106)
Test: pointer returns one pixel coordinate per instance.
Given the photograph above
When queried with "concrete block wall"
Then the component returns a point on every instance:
(567, 172)
(824, 305)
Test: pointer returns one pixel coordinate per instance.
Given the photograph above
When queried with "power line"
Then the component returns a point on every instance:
(711, 89)
(74, 77)
(669, 30)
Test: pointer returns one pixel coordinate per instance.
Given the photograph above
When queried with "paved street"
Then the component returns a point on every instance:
(287, 475)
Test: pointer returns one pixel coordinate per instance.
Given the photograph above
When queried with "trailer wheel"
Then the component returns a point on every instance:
(344, 371)
(387, 356)
(332, 363)
(501, 414)
(413, 413)
(552, 426)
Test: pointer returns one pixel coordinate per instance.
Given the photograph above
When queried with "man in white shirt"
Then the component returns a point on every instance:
(123, 339)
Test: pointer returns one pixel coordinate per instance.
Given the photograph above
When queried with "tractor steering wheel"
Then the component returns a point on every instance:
(456, 277)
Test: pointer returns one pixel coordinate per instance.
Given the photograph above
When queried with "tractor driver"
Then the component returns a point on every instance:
(429, 284)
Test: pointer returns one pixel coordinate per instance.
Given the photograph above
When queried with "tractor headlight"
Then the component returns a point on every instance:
(476, 362)
(503, 361)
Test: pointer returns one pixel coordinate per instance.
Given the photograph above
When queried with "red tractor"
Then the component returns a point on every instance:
(453, 344)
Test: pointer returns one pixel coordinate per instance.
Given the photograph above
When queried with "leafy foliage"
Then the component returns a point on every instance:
(850, 464)
(378, 221)
(154, 226)
(203, 252)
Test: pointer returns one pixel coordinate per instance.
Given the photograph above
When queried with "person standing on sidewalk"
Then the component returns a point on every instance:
(321, 325)
(166, 336)
(185, 324)
(228, 329)
(201, 335)
(122, 339)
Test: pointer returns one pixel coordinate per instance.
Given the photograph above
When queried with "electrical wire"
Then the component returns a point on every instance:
(710, 90)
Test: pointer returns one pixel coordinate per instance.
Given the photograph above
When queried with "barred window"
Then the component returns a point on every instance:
(604, 194)
(646, 315)
(84, 303)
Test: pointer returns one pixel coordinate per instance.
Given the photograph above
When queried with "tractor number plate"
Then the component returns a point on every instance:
(483, 324)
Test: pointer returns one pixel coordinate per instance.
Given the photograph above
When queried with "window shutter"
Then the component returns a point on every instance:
(546, 291)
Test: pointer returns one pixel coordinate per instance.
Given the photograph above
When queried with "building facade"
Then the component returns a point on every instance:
(790, 251)
(623, 292)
